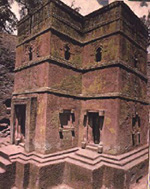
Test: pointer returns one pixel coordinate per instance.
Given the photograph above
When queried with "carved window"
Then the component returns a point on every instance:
(98, 54)
(30, 53)
(37, 52)
(67, 52)
(67, 119)
(136, 138)
(135, 59)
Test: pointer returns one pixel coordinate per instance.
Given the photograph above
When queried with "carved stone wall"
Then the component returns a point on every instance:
(71, 62)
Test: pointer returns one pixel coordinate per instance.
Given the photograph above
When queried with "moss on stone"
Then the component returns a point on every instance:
(70, 83)
(55, 52)
(95, 87)
(55, 119)
(77, 60)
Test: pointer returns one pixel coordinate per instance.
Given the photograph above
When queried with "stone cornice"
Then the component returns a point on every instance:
(81, 29)
(81, 96)
(81, 69)
(78, 41)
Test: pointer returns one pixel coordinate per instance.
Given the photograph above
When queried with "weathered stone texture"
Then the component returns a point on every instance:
(7, 63)
(81, 81)
(32, 78)
(148, 75)
(101, 81)
(62, 61)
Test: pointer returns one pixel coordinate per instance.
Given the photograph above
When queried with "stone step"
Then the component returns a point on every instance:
(41, 157)
(124, 156)
(136, 161)
(82, 159)
(87, 157)
(24, 158)
(92, 148)
(21, 144)
(126, 161)
(136, 156)
(61, 186)
(4, 155)
(92, 144)
(4, 125)
(85, 160)
(85, 153)
(2, 171)
(133, 152)
(4, 162)
(78, 163)
(5, 130)
(4, 144)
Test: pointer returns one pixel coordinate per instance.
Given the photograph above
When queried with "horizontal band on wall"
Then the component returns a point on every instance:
(80, 42)
(69, 65)
(64, 93)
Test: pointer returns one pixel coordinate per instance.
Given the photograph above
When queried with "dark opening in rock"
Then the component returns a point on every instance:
(30, 53)
(98, 54)
(8, 103)
(5, 120)
(67, 53)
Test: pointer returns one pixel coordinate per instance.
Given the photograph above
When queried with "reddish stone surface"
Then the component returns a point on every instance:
(81, 81)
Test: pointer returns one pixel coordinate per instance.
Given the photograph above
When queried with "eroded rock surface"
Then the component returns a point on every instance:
(7, 62)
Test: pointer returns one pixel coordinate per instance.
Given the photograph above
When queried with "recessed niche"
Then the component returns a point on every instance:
(67, 52)
(98, 54)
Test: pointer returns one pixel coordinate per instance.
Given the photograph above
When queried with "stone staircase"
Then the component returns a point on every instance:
(16, 165)
(90, 157)
(92, 147)
(5, 130)
(4, 143)
(6, 170)
(39, 158)
(14, 160)
(88, 164)
(61, 186)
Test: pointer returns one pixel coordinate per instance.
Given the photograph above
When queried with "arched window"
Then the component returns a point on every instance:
(136, 139)
(67, 119)
(98, 54)
(30, 53)
(135, 59)
(67, 52)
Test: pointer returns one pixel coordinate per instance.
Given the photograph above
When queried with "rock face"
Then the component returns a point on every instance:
(148, 75)
(7, 61)
(79, 82)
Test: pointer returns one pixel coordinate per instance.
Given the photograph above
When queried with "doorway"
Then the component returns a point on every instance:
(93, 122)
(20, 117)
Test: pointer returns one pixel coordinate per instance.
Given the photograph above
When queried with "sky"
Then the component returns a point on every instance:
(88, 6)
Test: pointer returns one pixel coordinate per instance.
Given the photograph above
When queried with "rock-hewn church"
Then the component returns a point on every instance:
(79, 108)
